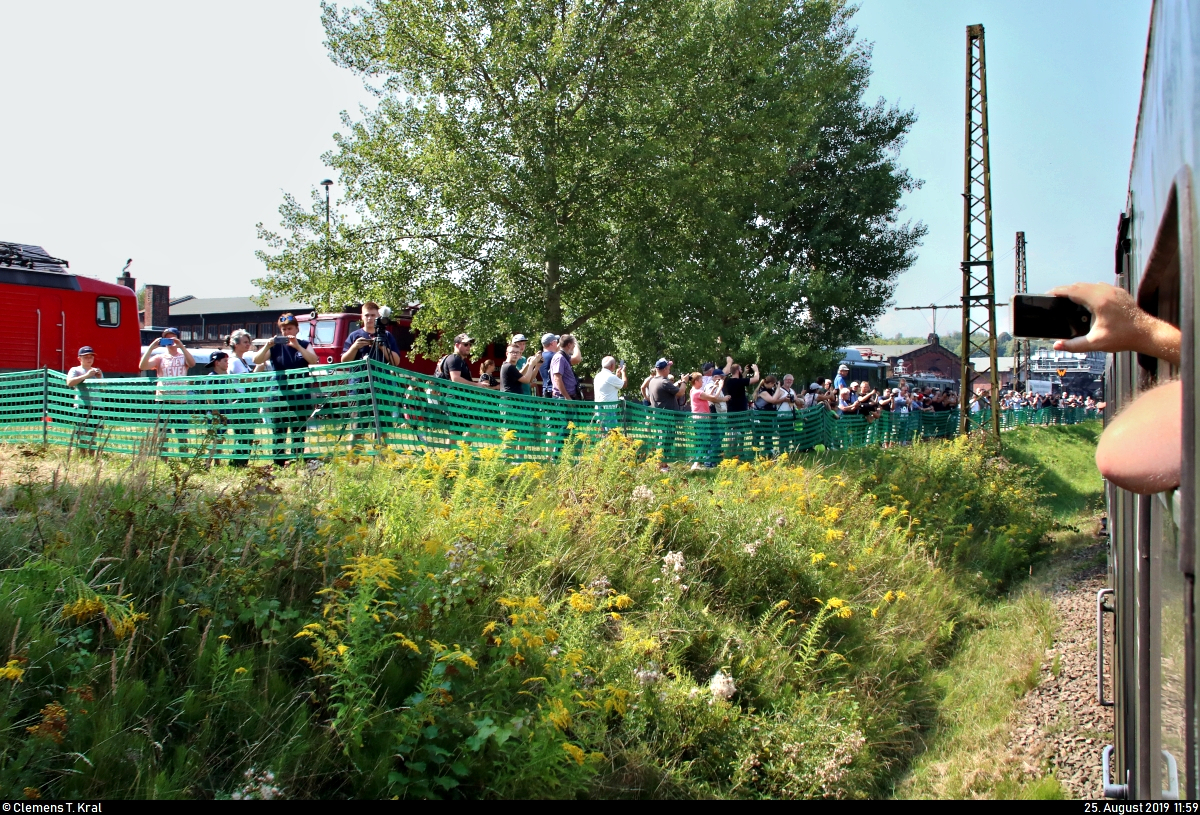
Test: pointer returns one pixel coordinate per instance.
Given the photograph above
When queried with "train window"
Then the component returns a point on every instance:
(108, 312)
(325, 331)
(1158, 293)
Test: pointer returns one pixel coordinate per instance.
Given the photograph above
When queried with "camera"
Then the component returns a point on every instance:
(279, 340)
(379, 348)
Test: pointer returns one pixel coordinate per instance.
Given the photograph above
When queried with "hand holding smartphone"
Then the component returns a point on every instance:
(165, 342)
(1046, 317)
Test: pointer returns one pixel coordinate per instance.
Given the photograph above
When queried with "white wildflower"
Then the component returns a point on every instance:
(643, 493)
(721, 686)
(648, 676)
(752, 548)
(673, 562)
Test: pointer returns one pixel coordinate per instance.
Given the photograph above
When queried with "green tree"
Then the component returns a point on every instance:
(689, 177)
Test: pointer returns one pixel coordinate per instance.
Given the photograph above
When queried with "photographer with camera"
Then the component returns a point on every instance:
(373, 340)
(287, 352)
(172, 360)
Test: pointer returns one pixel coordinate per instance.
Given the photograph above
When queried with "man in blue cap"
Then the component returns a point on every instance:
(664, 395)
(78, 378)
(85, 370)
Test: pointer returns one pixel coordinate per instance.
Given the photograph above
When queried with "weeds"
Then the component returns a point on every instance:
(459, 625)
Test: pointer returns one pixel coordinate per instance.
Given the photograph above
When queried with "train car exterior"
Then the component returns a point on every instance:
(1146, 617)
(50, 313)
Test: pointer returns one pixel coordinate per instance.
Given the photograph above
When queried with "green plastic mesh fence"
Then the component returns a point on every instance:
(316, 411)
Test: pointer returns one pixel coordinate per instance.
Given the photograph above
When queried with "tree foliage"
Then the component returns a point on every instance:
(695, 177)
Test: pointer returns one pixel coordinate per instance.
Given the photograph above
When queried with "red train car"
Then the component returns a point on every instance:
(50, 312)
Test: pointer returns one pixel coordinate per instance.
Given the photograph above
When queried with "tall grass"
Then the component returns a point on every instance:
(457, 625)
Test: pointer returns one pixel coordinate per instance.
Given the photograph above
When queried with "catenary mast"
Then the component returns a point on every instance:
(978, 274)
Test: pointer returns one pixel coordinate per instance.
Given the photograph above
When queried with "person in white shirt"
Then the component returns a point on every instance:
(608, 382)
(240, 344)
(174, 361)
(244, 414)
(77, 378)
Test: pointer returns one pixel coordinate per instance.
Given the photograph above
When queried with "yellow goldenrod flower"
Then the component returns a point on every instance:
(12, 672)
(574, 752)
(239, 671)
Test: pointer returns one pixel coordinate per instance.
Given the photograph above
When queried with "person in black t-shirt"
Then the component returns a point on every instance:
(510, 376)
(288, 352)
(457, 366)
(736, 384)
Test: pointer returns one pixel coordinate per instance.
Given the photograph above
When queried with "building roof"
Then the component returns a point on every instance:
(232, 305)
(891, 351)
(1004, 365)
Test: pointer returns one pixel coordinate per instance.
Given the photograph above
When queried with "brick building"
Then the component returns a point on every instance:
(928, 364)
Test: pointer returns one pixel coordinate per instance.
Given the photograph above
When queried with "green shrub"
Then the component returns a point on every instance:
(460, 625)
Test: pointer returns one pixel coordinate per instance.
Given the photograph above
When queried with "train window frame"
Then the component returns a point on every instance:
(1167, 289)
(108, 312)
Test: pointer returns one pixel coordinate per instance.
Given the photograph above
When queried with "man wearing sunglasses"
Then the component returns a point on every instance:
(457, 366)
(288, 352)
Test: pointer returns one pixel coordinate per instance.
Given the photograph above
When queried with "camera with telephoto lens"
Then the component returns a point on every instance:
(379, 345)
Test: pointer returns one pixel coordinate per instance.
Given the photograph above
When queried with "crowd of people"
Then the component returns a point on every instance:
(773, 401)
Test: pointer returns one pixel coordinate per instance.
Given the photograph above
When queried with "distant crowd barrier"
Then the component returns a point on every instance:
(320, 410)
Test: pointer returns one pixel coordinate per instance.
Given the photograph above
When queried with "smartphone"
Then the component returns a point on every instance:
(165, 341)
(1051, 318)
(622, 363)
(280, 340)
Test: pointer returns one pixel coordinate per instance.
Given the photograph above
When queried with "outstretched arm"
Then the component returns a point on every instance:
(1118, 324)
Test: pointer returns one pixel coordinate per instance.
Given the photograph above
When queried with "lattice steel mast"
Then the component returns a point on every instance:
(979, 282)
(1021, 350)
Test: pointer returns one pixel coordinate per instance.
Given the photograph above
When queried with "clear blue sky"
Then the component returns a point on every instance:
(1063, 86)
(165, 131)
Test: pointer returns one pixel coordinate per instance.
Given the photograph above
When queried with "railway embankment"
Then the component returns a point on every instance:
(1020, 718)
(461, 624)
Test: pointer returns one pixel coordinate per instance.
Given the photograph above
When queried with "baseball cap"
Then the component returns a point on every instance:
(549, 338)
(174, 331)
(87, 349)
(718, 372)
(708, 366)
(662, 363)
(216, 357)
(814, 387)
(843, 367)
(463, 338)
(520, 338)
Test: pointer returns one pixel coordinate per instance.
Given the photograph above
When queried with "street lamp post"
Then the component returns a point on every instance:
(327, 183)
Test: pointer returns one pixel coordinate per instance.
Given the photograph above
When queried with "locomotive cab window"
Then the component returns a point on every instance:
(108, 312)
(324, 332)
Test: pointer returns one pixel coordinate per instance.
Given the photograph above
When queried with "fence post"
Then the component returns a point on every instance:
(374, 404)
(45, 404)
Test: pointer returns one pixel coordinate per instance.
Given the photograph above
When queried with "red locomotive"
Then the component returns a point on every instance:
(51, 312)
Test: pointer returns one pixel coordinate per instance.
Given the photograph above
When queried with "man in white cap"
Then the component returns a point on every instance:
(527, 371)
(840, 380)
(549, 349)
